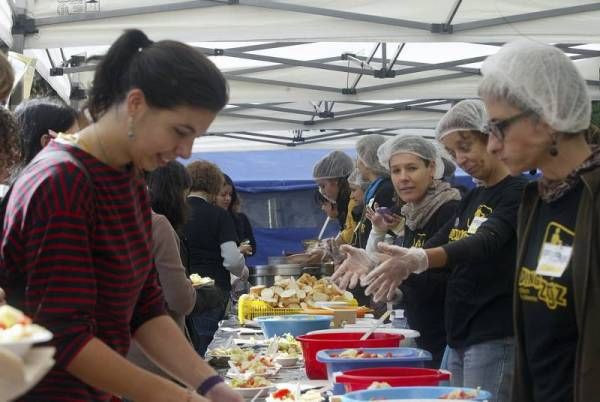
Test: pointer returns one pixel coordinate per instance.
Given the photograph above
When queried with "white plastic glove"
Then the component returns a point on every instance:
(385, 278)
(355, 266)
(244, 274)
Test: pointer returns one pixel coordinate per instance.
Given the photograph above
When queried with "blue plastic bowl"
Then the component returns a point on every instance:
(409, 393)
(297, 324)
(401, 357)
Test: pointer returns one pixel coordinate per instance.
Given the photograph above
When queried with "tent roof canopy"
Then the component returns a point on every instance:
(311, 70)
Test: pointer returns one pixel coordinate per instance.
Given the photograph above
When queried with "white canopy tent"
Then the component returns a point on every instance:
(307, 71)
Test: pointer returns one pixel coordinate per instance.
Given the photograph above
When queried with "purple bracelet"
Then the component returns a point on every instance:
(208, 384)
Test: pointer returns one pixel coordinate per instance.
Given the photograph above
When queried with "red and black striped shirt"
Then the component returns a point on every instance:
(84, 249)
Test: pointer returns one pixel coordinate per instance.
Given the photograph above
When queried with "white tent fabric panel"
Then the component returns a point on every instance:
(5, 22)
(255, 21)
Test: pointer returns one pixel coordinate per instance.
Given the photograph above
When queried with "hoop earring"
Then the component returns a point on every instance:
(130, 133)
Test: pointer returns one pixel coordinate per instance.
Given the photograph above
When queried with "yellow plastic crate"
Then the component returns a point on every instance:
(249, 309)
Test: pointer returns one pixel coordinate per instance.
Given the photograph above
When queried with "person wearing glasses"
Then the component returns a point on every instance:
(540, 111)
(479, 244)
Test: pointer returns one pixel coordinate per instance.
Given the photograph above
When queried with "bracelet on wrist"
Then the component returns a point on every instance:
(208, 384)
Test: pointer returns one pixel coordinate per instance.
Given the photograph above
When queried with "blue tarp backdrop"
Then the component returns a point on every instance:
(276, 188)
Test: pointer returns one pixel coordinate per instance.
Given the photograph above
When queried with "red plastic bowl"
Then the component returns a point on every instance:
(355, 380)
(312, 343)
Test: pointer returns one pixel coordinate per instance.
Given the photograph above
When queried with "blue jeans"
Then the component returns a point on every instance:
(489, 365)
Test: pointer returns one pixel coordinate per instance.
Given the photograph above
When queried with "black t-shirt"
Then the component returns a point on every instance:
(546, 297)
(424, 293)
(480, 286)
(207, 228)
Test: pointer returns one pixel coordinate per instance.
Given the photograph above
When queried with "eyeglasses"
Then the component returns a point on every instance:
(498, 127)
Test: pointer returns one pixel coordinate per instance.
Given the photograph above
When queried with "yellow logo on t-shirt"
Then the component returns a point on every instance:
(483, 211)
(533, 285)
(480, 216)
(419, 240)
(535, 288)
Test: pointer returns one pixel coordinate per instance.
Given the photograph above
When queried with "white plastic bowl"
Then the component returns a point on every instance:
(21, 347)
(249, 393)
(287, 361)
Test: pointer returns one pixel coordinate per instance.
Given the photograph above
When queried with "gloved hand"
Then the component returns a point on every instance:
(384, 279)
(355, 266)
(244, 274)
(332, 250)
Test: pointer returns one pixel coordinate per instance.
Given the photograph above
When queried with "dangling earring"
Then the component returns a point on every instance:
(553, 148)
(130, 133)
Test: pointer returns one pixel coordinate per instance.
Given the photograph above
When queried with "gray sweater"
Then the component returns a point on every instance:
(180, 295)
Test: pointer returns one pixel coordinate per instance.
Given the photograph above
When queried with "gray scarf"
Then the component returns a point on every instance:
(417, 215)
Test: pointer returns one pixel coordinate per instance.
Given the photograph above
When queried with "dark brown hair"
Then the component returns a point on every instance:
(169, 73)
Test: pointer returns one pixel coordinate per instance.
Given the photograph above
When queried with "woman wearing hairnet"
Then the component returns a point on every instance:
(331, 173)
(416, 170)
(539, 109)
(358, 188)
(380, 192)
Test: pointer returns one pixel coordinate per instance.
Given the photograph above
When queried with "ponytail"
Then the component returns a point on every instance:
(169, 73)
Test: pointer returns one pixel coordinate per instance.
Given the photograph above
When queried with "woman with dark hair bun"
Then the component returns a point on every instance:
(76, 248)
(40, 119)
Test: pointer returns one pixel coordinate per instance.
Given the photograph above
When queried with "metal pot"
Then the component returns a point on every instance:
(266, 274)
(313, 270)
(327, 268)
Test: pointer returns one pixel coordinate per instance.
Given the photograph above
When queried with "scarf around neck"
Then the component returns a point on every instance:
(552, 190)
(417, 215)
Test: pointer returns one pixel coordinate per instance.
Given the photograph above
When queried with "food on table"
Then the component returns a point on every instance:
(247, 361)
(360, 354)
(285, 394)
(198, 280)
(460, 394)
(15, 326)
(287, 345)
(225, 352)
(251, 382)
(379, 385)
(301, 293)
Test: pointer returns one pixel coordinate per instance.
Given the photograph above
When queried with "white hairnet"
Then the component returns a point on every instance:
(448, 162)
(466, 115)
(366, 150)
(333, 165)
(411, 144)
(541, 78)
(356, 179)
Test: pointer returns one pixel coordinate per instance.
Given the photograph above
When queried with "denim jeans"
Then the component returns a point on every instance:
(203, 321)
(489, 365)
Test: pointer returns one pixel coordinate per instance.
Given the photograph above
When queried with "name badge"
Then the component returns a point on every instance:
(554, 260)
(477, 221)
